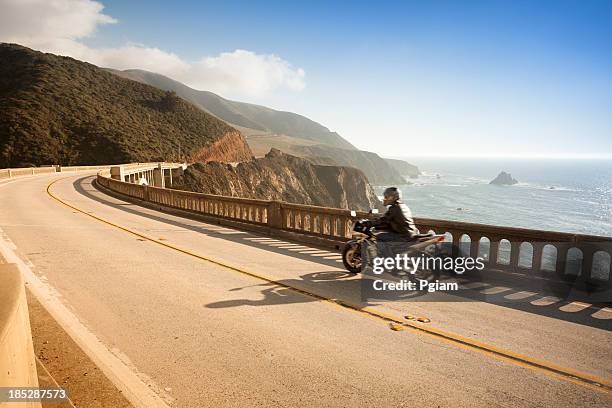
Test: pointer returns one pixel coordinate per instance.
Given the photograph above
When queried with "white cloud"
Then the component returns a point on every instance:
(59, 26)
(255, 74)
(43, 20)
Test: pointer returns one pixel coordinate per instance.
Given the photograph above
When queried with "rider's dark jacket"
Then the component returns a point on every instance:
(398, 219)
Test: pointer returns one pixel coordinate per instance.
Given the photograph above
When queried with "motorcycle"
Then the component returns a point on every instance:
(422, 244)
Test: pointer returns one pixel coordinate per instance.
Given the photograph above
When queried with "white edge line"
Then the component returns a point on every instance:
(133, 387)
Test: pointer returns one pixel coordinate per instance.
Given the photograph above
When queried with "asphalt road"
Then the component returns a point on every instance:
(202, 334)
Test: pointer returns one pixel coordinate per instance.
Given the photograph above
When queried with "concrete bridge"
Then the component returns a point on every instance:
(193, 300)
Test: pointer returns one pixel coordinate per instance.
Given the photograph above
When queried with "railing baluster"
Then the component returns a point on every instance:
(456, 242)
(537, 257)
(587, 261)
(562, 249)
(493, 251)
(514, 254)
(474, 245)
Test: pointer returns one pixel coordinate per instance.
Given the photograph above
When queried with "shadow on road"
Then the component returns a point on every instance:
(84, 187)
(326, 284)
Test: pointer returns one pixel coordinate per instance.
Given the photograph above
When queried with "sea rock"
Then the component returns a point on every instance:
(503, 179)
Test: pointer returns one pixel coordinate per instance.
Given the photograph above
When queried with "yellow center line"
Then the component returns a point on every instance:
(548, 368)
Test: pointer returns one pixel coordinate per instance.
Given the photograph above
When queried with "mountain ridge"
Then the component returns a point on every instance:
(252, 117)
(58, 110)
(316, 147)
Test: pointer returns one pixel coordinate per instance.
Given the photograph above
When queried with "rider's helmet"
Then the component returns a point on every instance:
(391, 195)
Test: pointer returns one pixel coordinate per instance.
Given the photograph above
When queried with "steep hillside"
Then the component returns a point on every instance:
(261, 144)
(259, 119)
(376, 169)
(265, 128)
(59, 110)
(404, 168)
(279, 176)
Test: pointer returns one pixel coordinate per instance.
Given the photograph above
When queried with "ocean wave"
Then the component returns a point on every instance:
(550, 187)
(586, 201)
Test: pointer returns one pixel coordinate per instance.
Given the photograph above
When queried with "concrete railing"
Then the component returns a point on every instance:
(32, 171)
(530, 252)
(534, 252)
(25, 171)
(67, 169)
(131, 168)
(17, 361)
(157, 174)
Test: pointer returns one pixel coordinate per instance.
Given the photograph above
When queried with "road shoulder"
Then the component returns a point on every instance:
(61, 362)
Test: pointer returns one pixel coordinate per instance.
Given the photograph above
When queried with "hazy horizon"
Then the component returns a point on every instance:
(509, 157)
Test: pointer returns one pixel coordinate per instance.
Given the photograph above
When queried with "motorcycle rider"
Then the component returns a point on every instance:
(397, 223)
(396, 226)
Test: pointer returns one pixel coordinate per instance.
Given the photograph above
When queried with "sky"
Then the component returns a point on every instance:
(407, 78)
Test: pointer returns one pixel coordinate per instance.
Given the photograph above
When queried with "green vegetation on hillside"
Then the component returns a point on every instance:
(57, 110)
(255, 119)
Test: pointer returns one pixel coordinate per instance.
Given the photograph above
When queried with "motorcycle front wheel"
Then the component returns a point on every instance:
(351, 258)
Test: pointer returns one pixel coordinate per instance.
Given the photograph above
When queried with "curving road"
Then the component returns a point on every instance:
(214, 334)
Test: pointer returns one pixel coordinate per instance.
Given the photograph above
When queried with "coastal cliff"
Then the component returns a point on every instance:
(404, 168)
(377, 170)
(229, 148)
(280, 176)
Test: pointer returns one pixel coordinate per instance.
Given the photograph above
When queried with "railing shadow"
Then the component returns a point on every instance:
(244, 238)
(554, 299)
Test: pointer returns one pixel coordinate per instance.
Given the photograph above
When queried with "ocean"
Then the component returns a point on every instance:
(552, 194)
